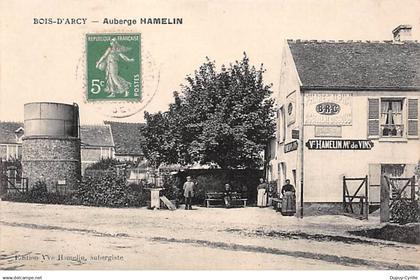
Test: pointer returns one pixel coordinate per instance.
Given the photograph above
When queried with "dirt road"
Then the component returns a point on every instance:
(35, 236)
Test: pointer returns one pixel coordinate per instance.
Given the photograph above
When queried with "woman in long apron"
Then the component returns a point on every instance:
(262, 194)
(288, 206)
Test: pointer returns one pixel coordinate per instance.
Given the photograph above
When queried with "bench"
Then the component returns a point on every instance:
(218, 199)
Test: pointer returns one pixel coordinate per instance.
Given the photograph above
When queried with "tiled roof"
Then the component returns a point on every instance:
(128, 138)
(96, 135)
(7, 132)
(357, 64)
(91, 135)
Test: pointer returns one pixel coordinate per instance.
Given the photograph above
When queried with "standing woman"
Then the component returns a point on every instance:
(288, 207)
(262, 194)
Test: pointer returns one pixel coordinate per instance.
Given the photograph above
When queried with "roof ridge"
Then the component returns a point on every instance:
(355, 65)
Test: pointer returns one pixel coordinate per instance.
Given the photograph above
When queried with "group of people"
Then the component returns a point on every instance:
(288, 204)
(288, 196)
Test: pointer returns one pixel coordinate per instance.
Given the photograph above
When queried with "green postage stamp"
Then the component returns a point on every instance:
(113, 67)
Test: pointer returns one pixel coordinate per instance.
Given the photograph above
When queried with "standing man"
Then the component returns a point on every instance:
(262, 193)
(188, 192)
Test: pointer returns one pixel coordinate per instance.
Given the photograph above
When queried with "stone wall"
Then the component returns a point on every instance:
(53, 160)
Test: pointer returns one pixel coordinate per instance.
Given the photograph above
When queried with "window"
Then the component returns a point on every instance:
(391, 121)
(281, 125)
(13, 152)
(106, 153)
(393, 118)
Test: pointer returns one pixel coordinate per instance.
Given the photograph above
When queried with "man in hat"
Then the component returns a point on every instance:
(188, 192)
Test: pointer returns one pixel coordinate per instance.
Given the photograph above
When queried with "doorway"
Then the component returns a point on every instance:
(282, 176)
(386, 192)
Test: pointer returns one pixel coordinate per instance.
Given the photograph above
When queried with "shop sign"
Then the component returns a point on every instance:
(339, 144)
(328, 109)
(292, 146)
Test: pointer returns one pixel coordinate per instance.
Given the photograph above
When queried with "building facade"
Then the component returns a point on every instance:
(346, 109)
(96, 144)
(128, 140)
(122, 141)
(11, 134)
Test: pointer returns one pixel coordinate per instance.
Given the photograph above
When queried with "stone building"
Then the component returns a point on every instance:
(51, 145)
(346, 108)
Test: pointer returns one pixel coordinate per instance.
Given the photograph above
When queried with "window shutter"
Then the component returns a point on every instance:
(413, 118)
(373, 117)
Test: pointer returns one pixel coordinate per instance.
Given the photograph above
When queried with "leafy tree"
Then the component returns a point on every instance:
(156, 135)
(220, 117)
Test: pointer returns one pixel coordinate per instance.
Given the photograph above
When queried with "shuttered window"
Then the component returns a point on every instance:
(373, 117)
(413, 118)
(281, 125)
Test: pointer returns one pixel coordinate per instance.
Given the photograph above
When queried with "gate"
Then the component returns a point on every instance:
(11, 181)
(14, 184)
(360, 194)
(396, 189)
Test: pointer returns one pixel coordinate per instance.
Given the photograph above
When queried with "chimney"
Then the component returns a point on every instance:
(402, 32)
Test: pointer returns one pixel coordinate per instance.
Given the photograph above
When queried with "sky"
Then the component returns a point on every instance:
(47, 62)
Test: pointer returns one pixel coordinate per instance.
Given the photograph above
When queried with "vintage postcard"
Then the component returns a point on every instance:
(210, 135)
